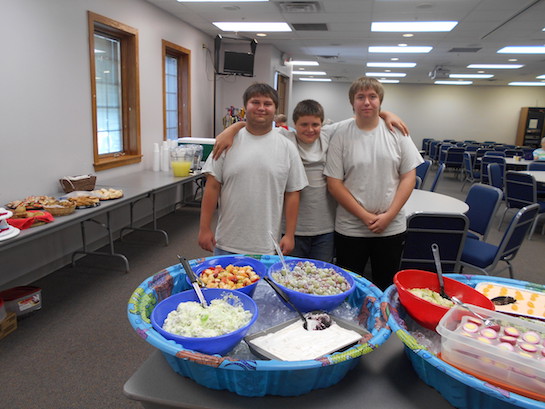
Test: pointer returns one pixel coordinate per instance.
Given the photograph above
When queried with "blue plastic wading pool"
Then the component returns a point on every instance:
(460, 389)
(256, 377)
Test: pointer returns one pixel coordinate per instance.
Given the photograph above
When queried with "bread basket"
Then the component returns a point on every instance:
(73, 183)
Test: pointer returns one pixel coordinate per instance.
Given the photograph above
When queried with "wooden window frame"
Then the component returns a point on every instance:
(130, 92)
(183, 55)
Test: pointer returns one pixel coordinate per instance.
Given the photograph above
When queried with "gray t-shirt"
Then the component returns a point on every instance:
(254, 174)
(316, 205)
(370, 164)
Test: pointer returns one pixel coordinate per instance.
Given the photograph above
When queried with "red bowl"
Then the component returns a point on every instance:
(424, 312)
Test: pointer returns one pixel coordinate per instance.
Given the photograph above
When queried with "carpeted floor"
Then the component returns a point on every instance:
(79, 349)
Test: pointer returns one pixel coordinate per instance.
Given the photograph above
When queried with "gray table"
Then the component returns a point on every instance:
(383, 379)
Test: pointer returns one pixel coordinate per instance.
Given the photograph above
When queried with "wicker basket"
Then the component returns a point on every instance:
(70, 184)
(60, 210)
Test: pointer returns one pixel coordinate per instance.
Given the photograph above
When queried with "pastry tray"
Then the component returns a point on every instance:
(264, 354)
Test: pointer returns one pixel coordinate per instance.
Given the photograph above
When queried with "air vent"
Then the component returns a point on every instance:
(464, 50)
(309, 26)
(299, 6)
(328, 57)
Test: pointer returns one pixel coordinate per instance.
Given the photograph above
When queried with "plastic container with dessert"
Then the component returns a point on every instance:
(251, 376)
(459, 387)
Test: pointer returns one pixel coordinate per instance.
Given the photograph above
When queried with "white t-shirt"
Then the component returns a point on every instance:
(370, 164)
(254, 174)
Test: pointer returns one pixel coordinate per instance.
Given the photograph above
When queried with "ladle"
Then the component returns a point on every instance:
(437, 258)
(193, 278)
(279, 251)
(487, 322)
(312, 321)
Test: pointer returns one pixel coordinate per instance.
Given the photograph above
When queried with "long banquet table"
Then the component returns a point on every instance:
(383, 379)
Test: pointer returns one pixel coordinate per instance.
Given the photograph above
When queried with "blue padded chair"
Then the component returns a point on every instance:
(536, 166)
(495, 153)
(470, 173)
(485, 257)
(485, 161)
(433, 152)
(496, 175)
(448, 231)
(418, 183)
(510, 153)
(539, 166)
(454, 158)
(483, 202)
(422, 170)
(521, 191)
(440, 170)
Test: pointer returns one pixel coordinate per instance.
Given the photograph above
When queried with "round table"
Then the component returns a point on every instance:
(432, 202)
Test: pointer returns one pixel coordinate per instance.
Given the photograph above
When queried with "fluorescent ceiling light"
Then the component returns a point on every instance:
(392, 64)
(395, 49)
(527, 84)
(257, 27)
(304, 63)
(523, 49)
(386, 74)
(309, 72)
(476, 76)
(541, 77)
(218, 1)
(316, 79)
(454, 82)
(388, 81)
(496, 66)
(413, 26)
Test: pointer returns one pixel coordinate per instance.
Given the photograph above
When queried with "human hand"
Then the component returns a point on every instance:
(207, 241)
(392, 120)
(287, 244)
(380, 223)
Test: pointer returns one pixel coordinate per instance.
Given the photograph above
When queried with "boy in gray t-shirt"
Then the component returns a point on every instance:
(252, 184)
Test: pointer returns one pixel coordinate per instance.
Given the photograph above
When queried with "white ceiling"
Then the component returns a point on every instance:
(342, 50)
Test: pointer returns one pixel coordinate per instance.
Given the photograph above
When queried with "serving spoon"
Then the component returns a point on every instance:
(437, 258)
(487, 322)
(312, 321)
(279, 251)
(194, 280)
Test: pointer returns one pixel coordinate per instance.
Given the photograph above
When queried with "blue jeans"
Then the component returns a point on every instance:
(320, 247)
(220, 252)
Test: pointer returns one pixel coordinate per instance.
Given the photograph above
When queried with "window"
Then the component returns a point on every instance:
(113, 49)
(176, 95)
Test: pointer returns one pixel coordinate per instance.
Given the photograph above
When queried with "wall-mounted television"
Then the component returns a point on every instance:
(238, 63)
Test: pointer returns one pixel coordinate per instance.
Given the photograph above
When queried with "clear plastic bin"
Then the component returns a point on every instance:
(519, 368)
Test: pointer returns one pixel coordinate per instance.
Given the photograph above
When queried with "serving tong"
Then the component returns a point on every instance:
(194, 280)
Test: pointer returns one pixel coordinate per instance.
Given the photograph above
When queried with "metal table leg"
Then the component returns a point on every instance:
(154, 218)
(111, 253)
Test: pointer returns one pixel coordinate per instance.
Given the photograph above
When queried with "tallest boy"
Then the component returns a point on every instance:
(252, 183)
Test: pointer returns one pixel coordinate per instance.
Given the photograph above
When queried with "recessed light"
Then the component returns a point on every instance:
(316, 79)
(402, 45)
(309, 72)
(394, 59)
(392, 64)
(386, 74)
(261, 34)
(408, 35)
(218, 1)
(394, 49)
(496, 66)
(245, 26)
(476, 76)
(512, 59)
(527, 84)
(453, 82)
(413, 26)
(523, 49)
(295, 62)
